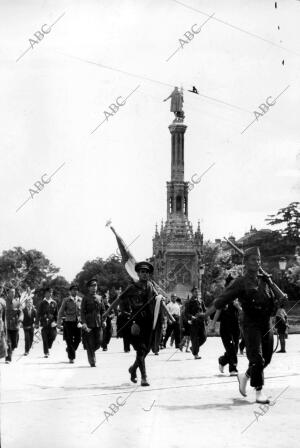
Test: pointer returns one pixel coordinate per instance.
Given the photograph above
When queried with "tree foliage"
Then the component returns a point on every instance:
(110, 274)
(289, 217)
(25, 268)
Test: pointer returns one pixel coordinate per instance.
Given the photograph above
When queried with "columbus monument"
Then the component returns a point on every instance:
(177, 249)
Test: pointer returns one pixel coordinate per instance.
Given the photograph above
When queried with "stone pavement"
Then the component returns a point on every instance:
(51, 403)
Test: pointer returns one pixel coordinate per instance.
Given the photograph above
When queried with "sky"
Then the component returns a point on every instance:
(99, 52)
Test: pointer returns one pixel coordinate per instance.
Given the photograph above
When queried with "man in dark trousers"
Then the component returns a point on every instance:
(193, 307)
(47, 318)
(281, 325)
(107, 331)
(124, 329)
(138, 300)
(259, 300)
(229, 332)
(14, 317)
(92, 310)
(29, 318)
(70, 311)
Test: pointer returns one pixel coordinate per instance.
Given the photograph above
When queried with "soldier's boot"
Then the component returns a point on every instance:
(243, 380)
(261, 398)
(132, 371)
(142, 366)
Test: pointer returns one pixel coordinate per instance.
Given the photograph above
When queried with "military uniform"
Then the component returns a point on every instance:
(257, 301)
(70, 311)
(137, 300)
(92, 309)
(14, 316)
(124, 329)
(47, 318)
(193, 307)
(230, 333)
(28, 326)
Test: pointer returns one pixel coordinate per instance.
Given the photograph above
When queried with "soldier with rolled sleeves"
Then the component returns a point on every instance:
(92, 310)
(70, 311)
(138, 301)
(14, 317)
(259, 300)
(47, 318)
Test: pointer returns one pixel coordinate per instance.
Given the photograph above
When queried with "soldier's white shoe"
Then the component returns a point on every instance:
(243, 380)
(261, 398)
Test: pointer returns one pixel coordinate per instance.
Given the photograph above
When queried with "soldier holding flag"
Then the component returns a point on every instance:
(137, 300)
(143, 303)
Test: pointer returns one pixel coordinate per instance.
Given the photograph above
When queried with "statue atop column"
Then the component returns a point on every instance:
(177, 104)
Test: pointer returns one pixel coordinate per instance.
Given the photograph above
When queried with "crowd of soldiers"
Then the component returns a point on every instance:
(146, 320)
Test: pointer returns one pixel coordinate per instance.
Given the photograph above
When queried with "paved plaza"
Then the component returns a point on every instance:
(51, 403)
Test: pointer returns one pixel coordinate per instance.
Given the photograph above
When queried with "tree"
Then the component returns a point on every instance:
(290, 217)
(218, 265)
(110, 275)
(25, 268)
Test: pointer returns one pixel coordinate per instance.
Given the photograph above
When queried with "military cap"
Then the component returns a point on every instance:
(73, 286)
(251, 251)
(48, 288)
(194, 288)
(144, 265)
(92, 280)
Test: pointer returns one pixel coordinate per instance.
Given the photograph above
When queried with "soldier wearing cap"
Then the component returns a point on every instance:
(70, 312)
(47, 318)
(137, 300)
(258, 301)
(92, 310)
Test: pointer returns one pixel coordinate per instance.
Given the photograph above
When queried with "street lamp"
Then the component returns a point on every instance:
(282, 266)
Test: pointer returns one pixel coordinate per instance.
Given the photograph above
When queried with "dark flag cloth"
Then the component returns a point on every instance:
(127, 259)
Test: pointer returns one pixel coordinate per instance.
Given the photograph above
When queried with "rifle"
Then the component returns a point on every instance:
(275, 288)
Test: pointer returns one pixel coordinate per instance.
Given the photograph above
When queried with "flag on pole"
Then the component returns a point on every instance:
(127, 258)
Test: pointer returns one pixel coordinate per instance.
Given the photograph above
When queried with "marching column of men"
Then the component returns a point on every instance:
(90, 318)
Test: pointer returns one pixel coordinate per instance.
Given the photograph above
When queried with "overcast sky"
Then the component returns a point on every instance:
(55, 95)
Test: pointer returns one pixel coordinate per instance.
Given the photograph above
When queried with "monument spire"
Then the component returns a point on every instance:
(176, 249)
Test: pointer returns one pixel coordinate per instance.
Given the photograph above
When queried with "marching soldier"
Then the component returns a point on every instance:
(70, 311)
(14, 317)
(29, 319)
(229, 332)
(47, 318)
(92, 310)
(138, 300)
(193, 307)
(258, 298)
